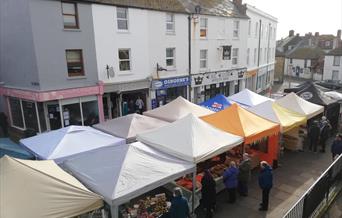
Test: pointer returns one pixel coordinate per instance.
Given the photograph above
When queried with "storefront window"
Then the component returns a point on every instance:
(90, 113)
(30, 115)
(41, 115)
(72, 114)
(17, 118)
(134, 102)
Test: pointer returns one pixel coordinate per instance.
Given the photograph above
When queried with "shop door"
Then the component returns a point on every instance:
(54, 116)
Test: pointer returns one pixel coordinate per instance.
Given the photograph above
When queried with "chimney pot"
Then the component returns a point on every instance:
(339, 34)
(291, 33)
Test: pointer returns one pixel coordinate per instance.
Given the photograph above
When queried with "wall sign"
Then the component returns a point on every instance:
(170, 82)
(218, 77)
(226, 53)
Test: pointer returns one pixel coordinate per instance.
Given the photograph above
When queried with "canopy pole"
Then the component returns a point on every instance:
(114, 211)
(193, 191)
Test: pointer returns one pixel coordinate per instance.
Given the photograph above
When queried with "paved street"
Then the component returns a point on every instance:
(297, 172)
(335, 210)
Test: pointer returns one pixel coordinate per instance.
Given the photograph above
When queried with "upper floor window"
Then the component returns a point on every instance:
(235, 56)
(203, 27)
(327, 43)
(337, 60)
(236, 29)
(124, 59)
(335, 75)
(170, 22)
(74, 60)
(249, 27)
(70, 16)
(203, 58)
(248, 51)
(170, 57)
(256, 30)
(122, 18)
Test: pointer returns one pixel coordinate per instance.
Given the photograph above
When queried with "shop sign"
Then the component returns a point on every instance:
(306, 95)
(226, 53)
(170, 82)
(217, 77)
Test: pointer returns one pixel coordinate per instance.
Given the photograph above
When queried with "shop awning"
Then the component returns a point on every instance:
(272, 111)
(129, 126)
(247, 98)
(190, 139)
(177, 109)
(121, 173)
(217, 103)
(40, 189)
(62, 143)
(239, 121)
(299, 105)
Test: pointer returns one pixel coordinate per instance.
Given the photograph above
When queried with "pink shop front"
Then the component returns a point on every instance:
(40, 111)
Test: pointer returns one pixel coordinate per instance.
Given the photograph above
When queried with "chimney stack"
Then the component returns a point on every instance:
(291, 33)
(339, 34)
(316, 34)
(237, 2)
(241, 7)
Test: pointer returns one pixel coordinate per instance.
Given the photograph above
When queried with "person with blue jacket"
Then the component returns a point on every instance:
(336, 147)
(179, 205)
(230, 180)
(265, 183)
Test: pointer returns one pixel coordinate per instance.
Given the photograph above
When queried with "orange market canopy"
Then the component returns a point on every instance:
(177, 109)
(274, 112)
(41, 189)
(295, 103)
(241, 122)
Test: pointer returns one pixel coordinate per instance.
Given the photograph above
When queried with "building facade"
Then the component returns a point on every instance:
(333, 65)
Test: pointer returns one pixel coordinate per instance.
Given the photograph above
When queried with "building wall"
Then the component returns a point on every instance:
(51, 40)
(297, 69)
(329, 68)
(279, 69)
(18, 62)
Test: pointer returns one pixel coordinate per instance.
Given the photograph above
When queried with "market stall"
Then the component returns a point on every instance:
(129, 126)
(40, 189)
(196, 141)
(61, 144)
(177, 109)
(217, 103)
(8, 147)
(123, 173)
(246, 98)
(260, 135)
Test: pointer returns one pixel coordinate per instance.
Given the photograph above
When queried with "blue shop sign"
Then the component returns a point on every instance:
(170, 82)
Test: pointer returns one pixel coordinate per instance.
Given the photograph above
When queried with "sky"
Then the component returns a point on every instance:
(303, 16)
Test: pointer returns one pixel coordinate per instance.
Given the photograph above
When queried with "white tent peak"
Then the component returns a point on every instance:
(199, 140)
(177, 109)
(248, 98)
(265, 109)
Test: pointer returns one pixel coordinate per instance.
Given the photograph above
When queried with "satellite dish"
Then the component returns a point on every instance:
(110, 71)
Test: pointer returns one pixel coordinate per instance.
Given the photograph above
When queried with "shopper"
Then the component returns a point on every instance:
(208, 193)
(336, 147)
(179, 205)
(325, 128)
(265, 183)
(314, 132)
(230, 179)
(244, 175)
(140, 105)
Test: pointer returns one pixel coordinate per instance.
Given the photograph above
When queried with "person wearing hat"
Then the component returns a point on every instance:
(179, 205)
(265, 183)
(325, 128)
(244, 175)
(313, 133)
(336, 147)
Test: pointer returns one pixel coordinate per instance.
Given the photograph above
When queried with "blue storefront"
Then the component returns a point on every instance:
(166, 90)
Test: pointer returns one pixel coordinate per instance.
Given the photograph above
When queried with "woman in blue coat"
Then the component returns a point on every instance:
(265, 183)
(230, 179)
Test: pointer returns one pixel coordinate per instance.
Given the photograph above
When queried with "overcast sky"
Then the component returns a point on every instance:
(303, 16)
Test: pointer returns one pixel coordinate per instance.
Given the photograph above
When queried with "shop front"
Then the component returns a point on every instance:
(250, 80)
(43, 111)
(226, 82)
(164, 91)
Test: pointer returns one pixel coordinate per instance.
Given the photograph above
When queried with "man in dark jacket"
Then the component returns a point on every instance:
(208, 193)
(336, 147)
(265, 183)
(314, 132)
(179, 205)
(325, 128)
(244, 175)
(230, 180)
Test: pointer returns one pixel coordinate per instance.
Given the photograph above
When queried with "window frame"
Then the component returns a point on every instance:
(235, 57)
(205, 60)
(332, 74)
(236, 29)
(173, 22)
(122, 19)
(77, 26)
(170, 58)
(82, 74)
(205, 28)
(129, 59)
(335, 62)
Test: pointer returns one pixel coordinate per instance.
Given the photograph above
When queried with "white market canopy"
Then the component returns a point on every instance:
(297, 104)
(247, 98)
(40, 189)
(334, 95)
(129, 126)
(62, 143)
(191, 139)
(177, 109)
(121, 173)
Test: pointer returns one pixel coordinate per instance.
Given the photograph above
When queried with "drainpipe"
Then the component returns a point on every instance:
(189, 53)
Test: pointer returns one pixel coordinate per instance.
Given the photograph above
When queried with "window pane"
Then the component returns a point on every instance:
(74, 63)
(122, 25)
(125, 65)
(169, 62)
(169, 52)
(121, 13)
(203, 22)
(30, 115)
(203, 54)
(169, 17)
(73, 56)
(41, 115)
(68, 8)
(69, 21)
(90, 113)
(169, 26)
(16, 112)
(203, 63)
(72, 114)
(123, 54)
(235, 52)
(203, 33)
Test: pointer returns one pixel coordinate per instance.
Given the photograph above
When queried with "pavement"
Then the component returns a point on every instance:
(335, 210)
(296, 173)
